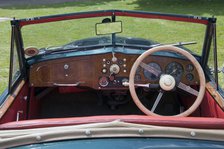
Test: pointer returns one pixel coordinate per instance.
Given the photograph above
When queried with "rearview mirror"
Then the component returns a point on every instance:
(108, 28)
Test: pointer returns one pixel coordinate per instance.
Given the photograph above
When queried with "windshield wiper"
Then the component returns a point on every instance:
(146, 47)
(181, 43)
(75, 49)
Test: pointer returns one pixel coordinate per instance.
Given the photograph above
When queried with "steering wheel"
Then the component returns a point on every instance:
(166, 81)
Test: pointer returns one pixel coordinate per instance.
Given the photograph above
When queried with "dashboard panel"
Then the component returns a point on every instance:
(107, 71)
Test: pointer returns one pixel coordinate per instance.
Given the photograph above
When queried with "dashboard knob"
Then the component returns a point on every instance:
(104, 70)
(114, 69)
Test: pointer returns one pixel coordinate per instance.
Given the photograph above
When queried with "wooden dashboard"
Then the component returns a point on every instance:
(94, 71)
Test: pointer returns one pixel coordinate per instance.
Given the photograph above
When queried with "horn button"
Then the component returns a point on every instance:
(167, 82)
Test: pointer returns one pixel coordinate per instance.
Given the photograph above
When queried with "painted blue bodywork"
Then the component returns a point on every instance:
(128, 143)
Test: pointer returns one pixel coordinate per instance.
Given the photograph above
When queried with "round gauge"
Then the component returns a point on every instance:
(175, 69)
(137, 77)
(138, 69)
(114, 69)
(189, 77)
(189, 67)
(103, 81)
(150, 76)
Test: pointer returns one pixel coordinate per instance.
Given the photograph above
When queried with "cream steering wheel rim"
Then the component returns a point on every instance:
(197, 66)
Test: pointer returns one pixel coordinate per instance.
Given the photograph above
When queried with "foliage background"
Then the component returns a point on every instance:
(26, 8)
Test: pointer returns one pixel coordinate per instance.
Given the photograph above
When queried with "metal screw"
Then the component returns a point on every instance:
(88, 132)
(140, 131)
(193, 134)
(38, 138)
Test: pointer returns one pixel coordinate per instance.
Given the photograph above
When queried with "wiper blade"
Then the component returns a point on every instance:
(181, 43)
(157, 44)
(82, 48)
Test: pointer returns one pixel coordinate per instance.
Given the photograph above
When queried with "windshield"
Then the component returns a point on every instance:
(135, 31)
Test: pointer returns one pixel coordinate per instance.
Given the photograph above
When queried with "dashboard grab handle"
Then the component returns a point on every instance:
(63, 84)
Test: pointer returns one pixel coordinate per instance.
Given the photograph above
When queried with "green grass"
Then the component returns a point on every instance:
(200, 8)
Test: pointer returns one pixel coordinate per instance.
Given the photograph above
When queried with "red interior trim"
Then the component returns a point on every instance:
(210, 108)
(188, 122)
(19, 105)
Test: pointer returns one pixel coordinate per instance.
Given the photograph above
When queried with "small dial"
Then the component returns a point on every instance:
(103, 81)
(189, 67)
(175, 69)
(189, 77)
(137, 77)
(138, 69)
(150, 75)
(114, 69)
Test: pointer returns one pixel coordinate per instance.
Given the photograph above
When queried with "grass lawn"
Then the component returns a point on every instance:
(199, 8)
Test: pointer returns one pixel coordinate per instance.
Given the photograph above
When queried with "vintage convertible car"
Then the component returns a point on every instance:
(113, 79)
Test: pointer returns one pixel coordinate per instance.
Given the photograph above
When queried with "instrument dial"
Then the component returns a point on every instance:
(189, 77)
(114, 69)
(175, 69)
(103, 81)
(150, 75)
(137, 77)
(189, 67)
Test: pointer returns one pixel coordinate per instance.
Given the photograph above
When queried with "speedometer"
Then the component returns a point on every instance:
(150, 76)
(175, 69)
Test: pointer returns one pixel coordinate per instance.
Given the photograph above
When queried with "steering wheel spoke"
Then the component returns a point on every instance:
(187, 89)
(157, 101)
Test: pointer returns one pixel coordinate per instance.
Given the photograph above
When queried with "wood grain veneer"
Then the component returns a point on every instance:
(88, 69)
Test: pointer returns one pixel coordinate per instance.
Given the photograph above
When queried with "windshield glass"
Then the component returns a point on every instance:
(135, 31)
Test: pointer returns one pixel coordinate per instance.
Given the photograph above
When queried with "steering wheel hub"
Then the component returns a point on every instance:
(167, 82)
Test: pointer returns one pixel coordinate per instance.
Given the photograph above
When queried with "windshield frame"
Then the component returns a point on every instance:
(103, 13)
(207, 21)
(114, 13)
